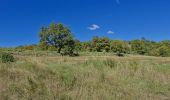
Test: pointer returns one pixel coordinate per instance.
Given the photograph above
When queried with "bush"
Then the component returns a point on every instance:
(154, 52)
(6, 58)
(70, 54)
(120, 54)
(107, 48)
(164, 51)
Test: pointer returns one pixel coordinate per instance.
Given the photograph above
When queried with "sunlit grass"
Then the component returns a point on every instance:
(85, 78)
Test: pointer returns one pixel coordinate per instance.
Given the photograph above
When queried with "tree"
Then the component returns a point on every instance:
(100, 44)
(57, 35)
(87, 46)
(164, 51)
(78, 45)
(107, 48)
(119, 46)
(43, 45)
(138, 46)
(69, 47)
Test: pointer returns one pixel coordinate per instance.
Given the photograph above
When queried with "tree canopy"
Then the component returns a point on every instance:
(59, 36)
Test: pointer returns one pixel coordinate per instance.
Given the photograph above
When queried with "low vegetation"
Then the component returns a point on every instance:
(85, 78)
(6, 57)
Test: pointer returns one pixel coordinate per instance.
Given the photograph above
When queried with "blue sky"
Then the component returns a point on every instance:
(20, 20)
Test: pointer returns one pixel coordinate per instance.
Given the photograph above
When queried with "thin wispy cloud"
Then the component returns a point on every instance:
(94, 27)
(110, 32)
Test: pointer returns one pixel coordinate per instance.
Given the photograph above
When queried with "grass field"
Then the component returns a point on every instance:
(85, 78)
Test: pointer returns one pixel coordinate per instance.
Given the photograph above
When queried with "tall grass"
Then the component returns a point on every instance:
(85, 78)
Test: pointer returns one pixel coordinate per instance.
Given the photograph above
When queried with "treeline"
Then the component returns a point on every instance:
(57, 37)
(104, 44)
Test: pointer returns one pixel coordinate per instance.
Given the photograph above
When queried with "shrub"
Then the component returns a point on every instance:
(154, 52)
(107, 48)
(120, 46)
(6, 58)
(164, 51)
(120, 54)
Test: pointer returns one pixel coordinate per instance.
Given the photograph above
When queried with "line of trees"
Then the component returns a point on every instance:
(57, 37)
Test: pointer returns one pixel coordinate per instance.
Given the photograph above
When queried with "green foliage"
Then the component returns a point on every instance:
(120, 54)
(59, 36)
(52, 48)
(69, 48)
(154, 52)
(164, 51)
(107, 48)
(78, 45)
(97, 45)
(43, 45)
(138, 46)
(119, 46)
(100, 44)
(7, 57)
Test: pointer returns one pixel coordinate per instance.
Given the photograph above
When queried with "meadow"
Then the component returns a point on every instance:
(87, 77)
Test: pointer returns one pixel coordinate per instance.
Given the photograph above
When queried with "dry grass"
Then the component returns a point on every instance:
(86, 78)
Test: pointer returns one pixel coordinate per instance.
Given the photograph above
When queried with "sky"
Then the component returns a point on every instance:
(21, 20)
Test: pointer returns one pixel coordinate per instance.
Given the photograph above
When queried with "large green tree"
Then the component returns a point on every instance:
(57, 35)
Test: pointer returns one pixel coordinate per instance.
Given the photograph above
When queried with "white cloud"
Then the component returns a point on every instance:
(110, 32)
(94, 27)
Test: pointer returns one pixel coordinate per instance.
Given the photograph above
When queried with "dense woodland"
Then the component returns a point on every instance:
(57, 37)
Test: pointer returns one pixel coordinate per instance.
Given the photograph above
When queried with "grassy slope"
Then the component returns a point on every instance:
(85, 78)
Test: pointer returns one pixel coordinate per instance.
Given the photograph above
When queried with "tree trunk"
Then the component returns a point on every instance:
(59, 50)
